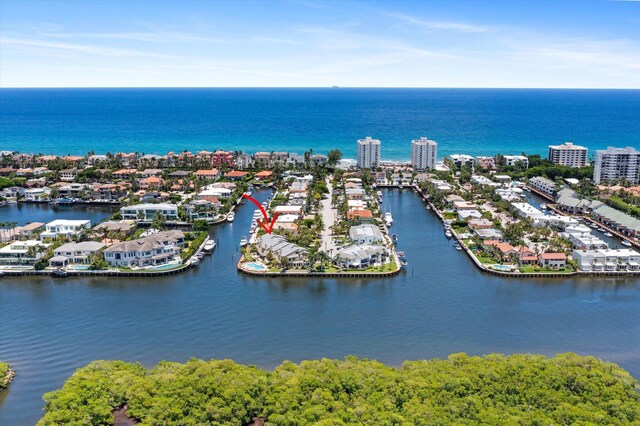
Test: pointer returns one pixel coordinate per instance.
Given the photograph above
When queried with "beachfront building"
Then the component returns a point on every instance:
(460, 160)
(149, 211)
(64, 227)
(156, 249)
(542, 184)
(617, 163)
(424, 153)
(568, 154)
(365, 234)
(78, 252)
(280, 249)
(368, 153)
(484, 162)
(360, 256)
(512, 160)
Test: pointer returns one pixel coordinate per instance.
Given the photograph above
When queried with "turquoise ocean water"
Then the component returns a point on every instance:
(473, 121)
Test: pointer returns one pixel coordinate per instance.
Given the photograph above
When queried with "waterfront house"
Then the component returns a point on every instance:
(156, 249)
(365, 234)
(37, 195)
(360, 215)
(279, 248)
(356, 204)
(220, 193)
(73, 190)
(120, 226)
(203, 209)
(264, 175)
(552, 260)
(469, 214)
(617, 220)
(543, 185)
(360, 256)
(78, 252)
(64, 227)
(355, 193)
(147, 212)
(289, 210)
(22, 252)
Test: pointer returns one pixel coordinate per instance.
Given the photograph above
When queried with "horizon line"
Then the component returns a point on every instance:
(322, 87)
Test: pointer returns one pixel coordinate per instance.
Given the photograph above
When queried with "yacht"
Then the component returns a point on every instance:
(626, 243)
(231, 216)
(394, 238)
(428, 207)
(458, 247)
(448, 234)
(379, 194)
(388, 218)
(257, 214)
(608, 234)
(209, 246)
(248, 193)
(402, 259)
(243, 241)
(543, 206)
(265, 204)
(195, 261)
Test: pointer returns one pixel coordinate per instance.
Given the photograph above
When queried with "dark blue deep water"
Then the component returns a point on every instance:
(441, 305)
(473, 121)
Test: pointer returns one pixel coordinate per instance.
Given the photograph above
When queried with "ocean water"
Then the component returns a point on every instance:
(473, 121)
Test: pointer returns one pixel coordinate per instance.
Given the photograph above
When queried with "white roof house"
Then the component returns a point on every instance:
(365, 234)
(360, 256)
(64, 227)
(79, 252)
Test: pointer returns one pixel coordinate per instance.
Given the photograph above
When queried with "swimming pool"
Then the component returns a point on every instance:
(501, 268)
(255, 266)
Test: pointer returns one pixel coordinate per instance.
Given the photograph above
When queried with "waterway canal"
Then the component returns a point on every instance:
(442, 304)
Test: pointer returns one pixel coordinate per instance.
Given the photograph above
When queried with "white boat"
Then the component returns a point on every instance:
(257, 214)
(209, 246)
(244, 241)
(388, 218)
(428, 207)
(458, 247)
(231, 216)
(608, 234)
(265, 204)
(195, 261)
(248, 193)
(626, 243)
(448, 234)
(379, 193)
(543, 206)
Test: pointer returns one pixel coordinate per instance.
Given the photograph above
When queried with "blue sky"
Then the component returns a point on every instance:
(309, 43)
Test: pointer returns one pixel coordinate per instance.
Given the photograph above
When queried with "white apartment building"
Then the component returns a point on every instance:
(609, 260)
(148, 211)
(64, 227)
(368, 153)
(424, 153)
(585, 241)
(568, 154)
(617, 163)
(512, 160)
(460, 160)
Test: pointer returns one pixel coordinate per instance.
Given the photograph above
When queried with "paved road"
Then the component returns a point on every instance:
(328, 219)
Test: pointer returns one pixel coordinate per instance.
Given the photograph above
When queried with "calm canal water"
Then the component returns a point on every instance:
(441, 305)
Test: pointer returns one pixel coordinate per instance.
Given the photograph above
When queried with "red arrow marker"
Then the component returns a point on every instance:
(267, 225)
